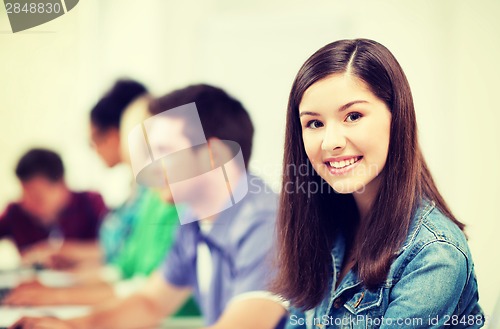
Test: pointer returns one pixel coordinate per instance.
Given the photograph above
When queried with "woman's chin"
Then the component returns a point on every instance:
(346, 187)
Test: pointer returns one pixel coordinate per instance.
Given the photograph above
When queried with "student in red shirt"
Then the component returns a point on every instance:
(48, 212)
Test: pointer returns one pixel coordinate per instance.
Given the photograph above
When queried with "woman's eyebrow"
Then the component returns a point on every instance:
(341, 109)
(346, 106)
(308, 113)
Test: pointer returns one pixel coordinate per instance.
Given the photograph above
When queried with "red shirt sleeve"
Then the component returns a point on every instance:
(98, 206)
(4, 223)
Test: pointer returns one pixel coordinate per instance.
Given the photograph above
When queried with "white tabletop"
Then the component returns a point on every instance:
(9, 315)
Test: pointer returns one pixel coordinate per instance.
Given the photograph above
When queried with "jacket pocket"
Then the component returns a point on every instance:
(365, 301)
(362, 311)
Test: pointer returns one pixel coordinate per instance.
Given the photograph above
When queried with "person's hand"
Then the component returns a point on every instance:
(41, 323)
(32, 294)
(39, 253)
(58, 259)
(61, 261)
(69, 255)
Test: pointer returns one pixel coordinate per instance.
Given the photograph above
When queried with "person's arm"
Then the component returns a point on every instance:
(430, 287)
(76, 253)
(73, 253)
(145, 309)
(35, 294)
(251, 313)
(253, 306)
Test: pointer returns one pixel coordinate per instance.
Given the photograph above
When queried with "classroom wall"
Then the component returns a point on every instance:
(51, 75)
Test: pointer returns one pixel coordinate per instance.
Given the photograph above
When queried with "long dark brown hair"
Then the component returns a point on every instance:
(308, 222)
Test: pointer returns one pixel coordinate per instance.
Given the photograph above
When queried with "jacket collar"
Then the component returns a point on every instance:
(351, 280)
(423, 209)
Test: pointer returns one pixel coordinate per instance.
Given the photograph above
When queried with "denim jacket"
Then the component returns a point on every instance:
(431, 284)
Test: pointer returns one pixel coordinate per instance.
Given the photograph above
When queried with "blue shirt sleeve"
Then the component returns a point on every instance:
(253, 260)
(428, 292)
(176, 269)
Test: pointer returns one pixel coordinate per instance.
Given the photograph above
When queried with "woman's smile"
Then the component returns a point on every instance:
(345, 130)
(341, 167)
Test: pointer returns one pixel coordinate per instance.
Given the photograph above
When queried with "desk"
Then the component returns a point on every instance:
(183, 323)
(9, 315)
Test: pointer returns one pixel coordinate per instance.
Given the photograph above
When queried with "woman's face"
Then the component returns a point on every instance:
(346, 130)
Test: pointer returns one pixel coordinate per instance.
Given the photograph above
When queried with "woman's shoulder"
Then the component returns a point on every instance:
(433, 236)
(429, 225)
(439, 227)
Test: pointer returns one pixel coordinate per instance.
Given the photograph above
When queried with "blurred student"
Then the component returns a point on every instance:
(48, 212)
(151, 236)
(105, 118)
(105, 138)
(224, 259)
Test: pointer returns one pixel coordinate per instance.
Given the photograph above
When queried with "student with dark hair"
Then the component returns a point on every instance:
(105, 119)
(233, 121)
(371, 241)
(134, 240)
(224, 259)
(40, 162)
(106, 139)
(48, 210)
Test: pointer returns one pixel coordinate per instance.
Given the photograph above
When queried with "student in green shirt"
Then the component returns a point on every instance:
(150, 237)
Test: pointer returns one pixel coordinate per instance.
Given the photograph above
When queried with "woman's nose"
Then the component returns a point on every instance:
(334, 138)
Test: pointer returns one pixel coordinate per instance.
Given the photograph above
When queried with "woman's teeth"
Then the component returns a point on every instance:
(343, 163)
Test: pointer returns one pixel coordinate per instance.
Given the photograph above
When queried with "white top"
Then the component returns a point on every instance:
(204, 265)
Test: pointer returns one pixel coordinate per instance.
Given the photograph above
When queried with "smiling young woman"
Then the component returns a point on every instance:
(397, 250)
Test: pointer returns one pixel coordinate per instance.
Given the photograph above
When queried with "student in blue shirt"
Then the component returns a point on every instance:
(225, 259)
(369, 242)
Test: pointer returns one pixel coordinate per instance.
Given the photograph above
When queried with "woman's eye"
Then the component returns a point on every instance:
(352, 117)
(314, 124)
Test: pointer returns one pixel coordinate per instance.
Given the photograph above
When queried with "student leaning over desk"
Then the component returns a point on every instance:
(105, 138)
(48, 213)
(134, 238)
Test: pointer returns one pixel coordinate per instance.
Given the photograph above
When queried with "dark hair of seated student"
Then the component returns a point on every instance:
(105, 118)
(221, 115)
(40, 162)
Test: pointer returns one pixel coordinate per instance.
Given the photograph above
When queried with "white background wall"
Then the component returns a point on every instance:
(51, 75)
